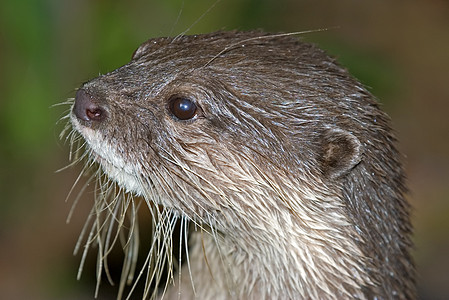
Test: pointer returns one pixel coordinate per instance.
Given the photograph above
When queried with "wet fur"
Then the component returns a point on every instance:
(289, 173)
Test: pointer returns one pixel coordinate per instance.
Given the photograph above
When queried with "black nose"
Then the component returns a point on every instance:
(86, 109)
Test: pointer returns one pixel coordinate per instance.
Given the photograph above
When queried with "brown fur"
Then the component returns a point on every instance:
(289, 169)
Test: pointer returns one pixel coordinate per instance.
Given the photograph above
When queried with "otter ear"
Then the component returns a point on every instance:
(340, 152)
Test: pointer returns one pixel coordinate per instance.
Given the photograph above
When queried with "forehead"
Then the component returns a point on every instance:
(225, 48)
(248, 62)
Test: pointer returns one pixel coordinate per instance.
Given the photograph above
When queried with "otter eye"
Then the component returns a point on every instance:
(182, 108)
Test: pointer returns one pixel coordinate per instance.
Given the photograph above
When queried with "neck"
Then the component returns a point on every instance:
(281, 253)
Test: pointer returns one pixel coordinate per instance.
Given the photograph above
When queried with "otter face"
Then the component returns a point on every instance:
(193, 127)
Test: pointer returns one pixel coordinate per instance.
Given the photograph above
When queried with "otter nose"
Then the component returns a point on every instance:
(86, 109)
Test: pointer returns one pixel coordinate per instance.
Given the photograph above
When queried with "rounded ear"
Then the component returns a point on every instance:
(341, 151)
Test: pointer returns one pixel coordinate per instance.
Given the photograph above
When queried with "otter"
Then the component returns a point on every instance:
(282, 163)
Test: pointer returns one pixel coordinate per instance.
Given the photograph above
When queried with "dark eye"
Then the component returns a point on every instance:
(182, 108)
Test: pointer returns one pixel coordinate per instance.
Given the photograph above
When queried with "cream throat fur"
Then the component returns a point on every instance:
(282, 163)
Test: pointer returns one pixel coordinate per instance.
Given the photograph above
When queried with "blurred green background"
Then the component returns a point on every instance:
(399, 49)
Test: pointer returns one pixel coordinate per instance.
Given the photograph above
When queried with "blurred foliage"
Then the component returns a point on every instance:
(27, 77)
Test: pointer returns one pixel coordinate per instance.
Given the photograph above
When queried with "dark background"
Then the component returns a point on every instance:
(399, 49)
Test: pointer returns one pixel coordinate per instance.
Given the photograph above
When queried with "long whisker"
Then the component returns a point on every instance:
(262, 37)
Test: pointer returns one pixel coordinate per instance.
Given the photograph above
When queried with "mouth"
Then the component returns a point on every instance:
(113, 165)
(121, 175)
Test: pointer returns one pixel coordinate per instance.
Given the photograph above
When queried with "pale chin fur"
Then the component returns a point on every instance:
(125, 175)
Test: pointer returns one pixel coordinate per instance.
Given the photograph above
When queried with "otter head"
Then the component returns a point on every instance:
(243, 132)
